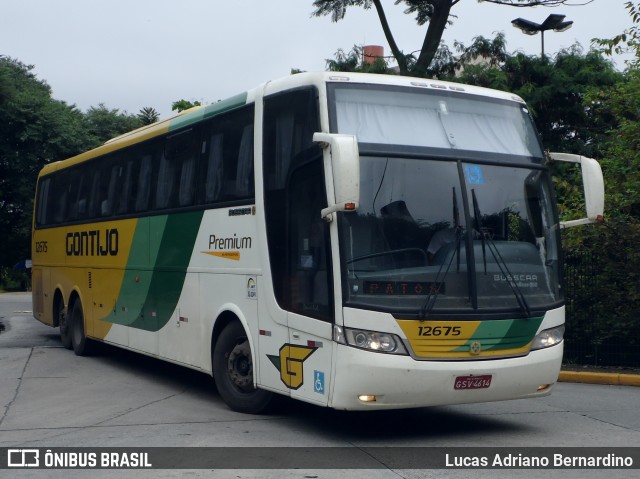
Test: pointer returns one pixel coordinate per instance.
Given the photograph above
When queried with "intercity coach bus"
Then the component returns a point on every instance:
(353, 241)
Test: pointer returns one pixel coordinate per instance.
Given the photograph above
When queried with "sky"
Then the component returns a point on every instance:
(130, 54)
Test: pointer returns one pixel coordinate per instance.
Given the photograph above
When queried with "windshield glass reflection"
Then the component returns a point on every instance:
(435, 237)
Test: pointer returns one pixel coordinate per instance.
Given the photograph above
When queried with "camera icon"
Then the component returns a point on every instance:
(23, 458)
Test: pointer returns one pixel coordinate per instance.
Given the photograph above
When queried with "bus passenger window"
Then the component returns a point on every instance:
(42, 217)
(144, 184)
(244, 174)
(94, 192)
(164, 189)
(214, 170)
(84, 194)
(187, 176)
(227, 163)
(126, 184)
(60, 193)
(107, 205)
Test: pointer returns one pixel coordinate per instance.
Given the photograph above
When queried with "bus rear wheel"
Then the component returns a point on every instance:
(63, 323)
(233, 372)
(82, 345)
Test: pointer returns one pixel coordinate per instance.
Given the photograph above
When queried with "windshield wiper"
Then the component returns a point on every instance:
(439, 282)
(502, 264)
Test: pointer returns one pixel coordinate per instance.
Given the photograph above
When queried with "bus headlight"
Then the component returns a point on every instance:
(548, 338)
(369, 340)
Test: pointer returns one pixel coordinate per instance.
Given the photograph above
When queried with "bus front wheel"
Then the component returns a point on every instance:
(233, 372)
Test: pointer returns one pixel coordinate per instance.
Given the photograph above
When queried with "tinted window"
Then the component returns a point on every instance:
(298, 243)
(203, 165)
(227, 157)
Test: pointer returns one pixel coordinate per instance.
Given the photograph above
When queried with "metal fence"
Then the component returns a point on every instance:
(587, 340)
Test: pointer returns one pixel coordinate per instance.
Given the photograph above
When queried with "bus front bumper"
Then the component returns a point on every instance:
(382, 381)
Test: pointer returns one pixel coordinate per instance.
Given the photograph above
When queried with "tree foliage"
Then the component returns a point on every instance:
(352, 61)
(435, 14)
(182, 105)
(35, 130)
(148, 115)
(106, 123)
(628, 41)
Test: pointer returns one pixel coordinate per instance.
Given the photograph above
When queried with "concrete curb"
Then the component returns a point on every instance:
(617, 379)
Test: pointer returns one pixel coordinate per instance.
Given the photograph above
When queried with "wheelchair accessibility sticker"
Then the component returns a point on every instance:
(474, 174)
(318, 382)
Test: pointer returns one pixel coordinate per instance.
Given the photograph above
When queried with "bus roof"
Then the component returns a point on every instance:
(320, 78)
(317, 79)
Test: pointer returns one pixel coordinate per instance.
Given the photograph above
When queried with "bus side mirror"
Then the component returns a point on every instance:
(593, 182)
(342, 172)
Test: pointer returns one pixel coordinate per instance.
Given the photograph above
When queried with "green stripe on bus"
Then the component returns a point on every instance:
(495, 335)
(149, 296)
(208, 111)
(520, 333)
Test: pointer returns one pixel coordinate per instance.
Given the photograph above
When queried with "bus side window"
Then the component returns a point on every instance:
(42, 215)
(244, 173)
(298, 241)
(82, 201)
(108, 202)
(213, 169)
(126, 184)
(94, 195)
(186, 184)
(164, 188)
(144, 183)
(60, 192)
(227, 158)
(176, 172)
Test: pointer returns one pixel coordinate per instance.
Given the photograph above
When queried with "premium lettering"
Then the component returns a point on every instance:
(92, 243)
(229, 243)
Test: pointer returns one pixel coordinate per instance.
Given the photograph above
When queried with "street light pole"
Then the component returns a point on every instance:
(553, 22)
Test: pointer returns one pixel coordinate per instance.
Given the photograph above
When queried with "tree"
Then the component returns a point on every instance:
(613, 244)
(628, 40)
(555, 89)
(182, 105)
(148, 116)
(352, 62)
(435, 13)
(105, 123)
(34, 130)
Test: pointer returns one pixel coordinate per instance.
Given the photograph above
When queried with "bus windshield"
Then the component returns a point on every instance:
(449, 234)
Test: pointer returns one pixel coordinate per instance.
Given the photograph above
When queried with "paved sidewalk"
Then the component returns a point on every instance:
(619, 379)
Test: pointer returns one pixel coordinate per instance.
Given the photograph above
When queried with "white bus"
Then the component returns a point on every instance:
(353, 241)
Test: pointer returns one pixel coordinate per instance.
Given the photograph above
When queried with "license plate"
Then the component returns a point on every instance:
(473, 382)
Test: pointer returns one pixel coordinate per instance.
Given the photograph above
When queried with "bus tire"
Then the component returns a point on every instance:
(82, 345)
(63, 323)
(233, 372)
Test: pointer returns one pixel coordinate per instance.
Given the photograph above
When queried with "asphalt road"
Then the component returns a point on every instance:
(51, 398)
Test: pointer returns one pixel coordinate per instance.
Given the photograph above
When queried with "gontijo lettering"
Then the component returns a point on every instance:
(92, 243)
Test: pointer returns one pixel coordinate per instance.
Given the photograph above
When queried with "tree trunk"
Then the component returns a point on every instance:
(437, 24)
(399, 56)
